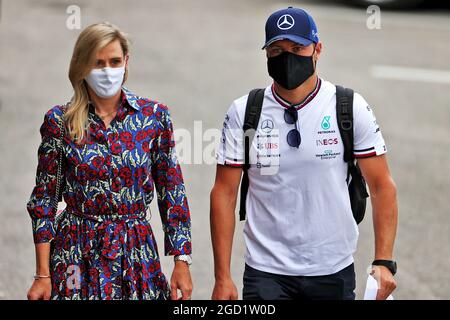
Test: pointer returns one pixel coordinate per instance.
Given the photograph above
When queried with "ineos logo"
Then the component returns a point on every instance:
(327, 142)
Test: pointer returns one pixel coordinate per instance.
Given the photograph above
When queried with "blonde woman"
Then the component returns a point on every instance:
(116, 148)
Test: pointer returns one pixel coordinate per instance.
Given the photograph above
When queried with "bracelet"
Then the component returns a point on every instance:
(38, 276)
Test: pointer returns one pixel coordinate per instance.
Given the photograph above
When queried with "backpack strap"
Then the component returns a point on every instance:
(251, 120)
(357, 185)
(344, 112)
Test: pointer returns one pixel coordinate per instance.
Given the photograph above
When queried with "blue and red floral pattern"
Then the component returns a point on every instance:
(104, 247)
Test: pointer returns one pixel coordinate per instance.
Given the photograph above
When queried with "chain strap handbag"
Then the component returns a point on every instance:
(59, 178)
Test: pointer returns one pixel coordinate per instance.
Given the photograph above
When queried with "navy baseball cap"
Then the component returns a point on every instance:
(292, 24)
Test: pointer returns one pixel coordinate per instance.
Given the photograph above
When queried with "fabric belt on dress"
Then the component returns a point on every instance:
(111, 232)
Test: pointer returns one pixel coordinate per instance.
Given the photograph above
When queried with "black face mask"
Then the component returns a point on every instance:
(290, 70)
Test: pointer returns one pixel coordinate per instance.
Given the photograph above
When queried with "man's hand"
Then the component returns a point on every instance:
(181, 279)
(40, 290)
(385, 280)
(224, 290)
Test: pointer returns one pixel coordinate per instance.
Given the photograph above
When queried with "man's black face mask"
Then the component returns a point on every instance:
(290, 70)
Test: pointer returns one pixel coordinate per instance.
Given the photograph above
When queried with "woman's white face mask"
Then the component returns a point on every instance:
(106, 82)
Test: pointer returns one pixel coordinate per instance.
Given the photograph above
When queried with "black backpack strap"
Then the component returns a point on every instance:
(357, 185)
(344, 112)
(251, 120)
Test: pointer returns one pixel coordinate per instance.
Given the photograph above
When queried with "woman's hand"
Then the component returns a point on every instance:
(181, 279)
(41, 289)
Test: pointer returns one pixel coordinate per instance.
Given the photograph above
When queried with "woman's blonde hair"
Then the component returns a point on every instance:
(89, 42)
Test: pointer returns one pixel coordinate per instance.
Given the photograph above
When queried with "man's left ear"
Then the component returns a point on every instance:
(318, 49)
(126, 60)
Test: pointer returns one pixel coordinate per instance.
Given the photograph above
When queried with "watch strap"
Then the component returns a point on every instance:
(390, 264)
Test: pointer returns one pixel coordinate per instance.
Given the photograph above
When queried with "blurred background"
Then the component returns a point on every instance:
(197, 57)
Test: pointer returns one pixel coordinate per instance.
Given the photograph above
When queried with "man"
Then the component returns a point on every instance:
(300, 233)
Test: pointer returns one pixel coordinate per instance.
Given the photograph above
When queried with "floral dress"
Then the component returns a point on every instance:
(103, 246)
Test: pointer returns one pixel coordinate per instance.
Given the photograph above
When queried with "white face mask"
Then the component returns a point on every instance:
(106, 82)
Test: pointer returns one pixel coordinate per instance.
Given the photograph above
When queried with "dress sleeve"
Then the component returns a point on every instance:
(172, 200)
(39, 205)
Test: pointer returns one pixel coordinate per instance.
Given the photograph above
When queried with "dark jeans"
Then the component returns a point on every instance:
(259, 285)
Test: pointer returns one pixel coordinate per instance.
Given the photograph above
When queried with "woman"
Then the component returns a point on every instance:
(116, 148)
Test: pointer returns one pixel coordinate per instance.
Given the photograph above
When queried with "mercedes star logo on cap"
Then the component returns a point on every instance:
(285, 22)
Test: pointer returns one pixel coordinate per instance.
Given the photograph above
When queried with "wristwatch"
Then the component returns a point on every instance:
(184, 257)
(390, 264)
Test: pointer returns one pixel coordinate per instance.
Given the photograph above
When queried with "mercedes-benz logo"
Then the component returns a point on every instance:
(285, 22)
(267, 126)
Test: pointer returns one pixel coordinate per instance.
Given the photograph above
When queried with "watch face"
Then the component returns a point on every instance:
(394, 267)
